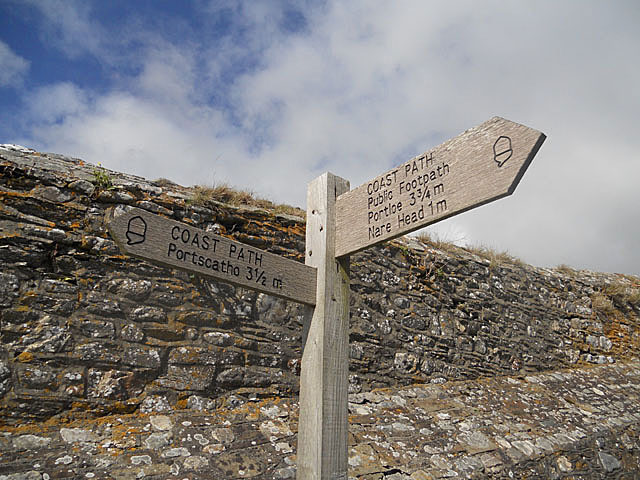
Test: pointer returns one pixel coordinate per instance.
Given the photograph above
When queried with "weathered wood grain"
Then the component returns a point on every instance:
(323, 424)
(178, 245)
(482, 164)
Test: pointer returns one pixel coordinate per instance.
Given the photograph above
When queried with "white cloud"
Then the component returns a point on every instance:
(366, 85)
(56, 103)
(12, 67)
(168, 75)
(138, 136)
(67, 24)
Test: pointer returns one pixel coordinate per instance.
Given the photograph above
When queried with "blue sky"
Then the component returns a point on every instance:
(267, 95)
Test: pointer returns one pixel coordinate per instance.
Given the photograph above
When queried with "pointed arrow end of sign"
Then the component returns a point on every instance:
(534, 141)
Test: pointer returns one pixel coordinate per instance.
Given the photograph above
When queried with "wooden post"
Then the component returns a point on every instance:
(322, 429)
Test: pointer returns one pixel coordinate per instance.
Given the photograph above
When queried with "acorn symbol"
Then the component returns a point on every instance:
(502, 150)
(136, 230)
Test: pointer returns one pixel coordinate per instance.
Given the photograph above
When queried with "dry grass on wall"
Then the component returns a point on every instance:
(224, 193)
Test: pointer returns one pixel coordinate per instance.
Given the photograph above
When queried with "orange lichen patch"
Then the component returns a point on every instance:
(297, 229)
(14, 194)
(119, 257)
(11, 235)
(124, 431)
(25, 357)
(84, 242)
(621, 333)
(26, 428)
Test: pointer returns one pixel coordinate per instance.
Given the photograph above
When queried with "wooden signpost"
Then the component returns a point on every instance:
(482, 164)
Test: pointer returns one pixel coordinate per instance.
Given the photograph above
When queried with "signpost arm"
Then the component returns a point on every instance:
(322, 429)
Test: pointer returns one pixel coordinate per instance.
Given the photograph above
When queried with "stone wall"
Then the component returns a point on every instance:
(88, 330)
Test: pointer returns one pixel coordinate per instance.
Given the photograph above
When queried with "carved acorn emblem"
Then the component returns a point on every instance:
(136, 230)
(502, 150)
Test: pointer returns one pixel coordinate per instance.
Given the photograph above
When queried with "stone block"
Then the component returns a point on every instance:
(59, 287)
(199, 318)
(131, 333)
(115, 196)
(156, 441)
(112, 384)
(196, 463)
(96, 328)
(50, 194)
(476, 442)
(52, 304)
(161, 422)
(136, 290)
(231, 377)
(148, 313)
(194, 355)
(414, 323)
(271, 361)
(28, 442)
(100, 305)
(82, 186)
(77, 435)
(38, 377)
(198, 403)
(164, 333)
(609, 462)
(98, 352)
(140, 356)
(47, 335)
(195, 378)
(247, 377)
(156, 404)
(220, 339)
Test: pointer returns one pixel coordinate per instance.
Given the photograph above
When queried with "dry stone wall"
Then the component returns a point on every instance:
(88, 330)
